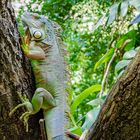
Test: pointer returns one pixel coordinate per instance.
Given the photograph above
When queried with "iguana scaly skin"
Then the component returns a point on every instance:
(47, 58)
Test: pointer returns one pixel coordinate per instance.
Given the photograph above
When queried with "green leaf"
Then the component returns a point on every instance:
(122, 64)
(76, 130)
(130, 45)
(90, 118)
(113, 13)
(105, 58)
(124, 8)
(130, 35)
(96, 102)
(121, 41)
(129, 54)
(84, 95)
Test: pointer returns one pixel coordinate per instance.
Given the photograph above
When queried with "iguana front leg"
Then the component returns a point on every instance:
(42, 99)
(31, 50)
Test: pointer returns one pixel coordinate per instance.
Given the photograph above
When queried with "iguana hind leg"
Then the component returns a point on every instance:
(41, 99)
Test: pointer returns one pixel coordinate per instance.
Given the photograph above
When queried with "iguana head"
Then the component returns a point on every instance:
(35, 25)
(41, 29)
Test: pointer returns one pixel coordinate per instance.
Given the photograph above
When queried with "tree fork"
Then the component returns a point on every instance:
(119, 118)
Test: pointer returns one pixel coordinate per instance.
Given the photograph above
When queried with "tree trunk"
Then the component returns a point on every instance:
(119, 118)
(15, 77)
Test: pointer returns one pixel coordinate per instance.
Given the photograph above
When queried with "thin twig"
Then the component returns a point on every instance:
(109, 64)
(106, 73)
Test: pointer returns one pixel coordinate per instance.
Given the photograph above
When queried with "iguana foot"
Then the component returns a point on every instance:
(14, 109)
(25, 118)
(28, 105)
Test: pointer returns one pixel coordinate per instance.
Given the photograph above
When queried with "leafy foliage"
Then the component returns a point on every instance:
(84, 95)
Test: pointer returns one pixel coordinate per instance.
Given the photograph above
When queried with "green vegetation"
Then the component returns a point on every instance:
(101, 43)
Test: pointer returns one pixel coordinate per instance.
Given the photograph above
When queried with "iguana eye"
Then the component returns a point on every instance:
(37, 34)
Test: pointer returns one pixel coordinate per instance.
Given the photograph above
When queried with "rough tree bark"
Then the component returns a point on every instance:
(15, 76)
(119, 118)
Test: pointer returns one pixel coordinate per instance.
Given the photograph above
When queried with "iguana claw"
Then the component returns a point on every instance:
(24, 116)
(14, 109)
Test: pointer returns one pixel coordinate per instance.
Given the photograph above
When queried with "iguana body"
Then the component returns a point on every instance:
(46, 54)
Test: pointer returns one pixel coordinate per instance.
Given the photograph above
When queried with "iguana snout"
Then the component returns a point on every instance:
(32, 20)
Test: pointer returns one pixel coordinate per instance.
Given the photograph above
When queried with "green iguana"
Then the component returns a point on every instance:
(47, 59)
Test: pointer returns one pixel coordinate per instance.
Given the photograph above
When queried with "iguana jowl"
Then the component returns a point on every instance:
(46, 54)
